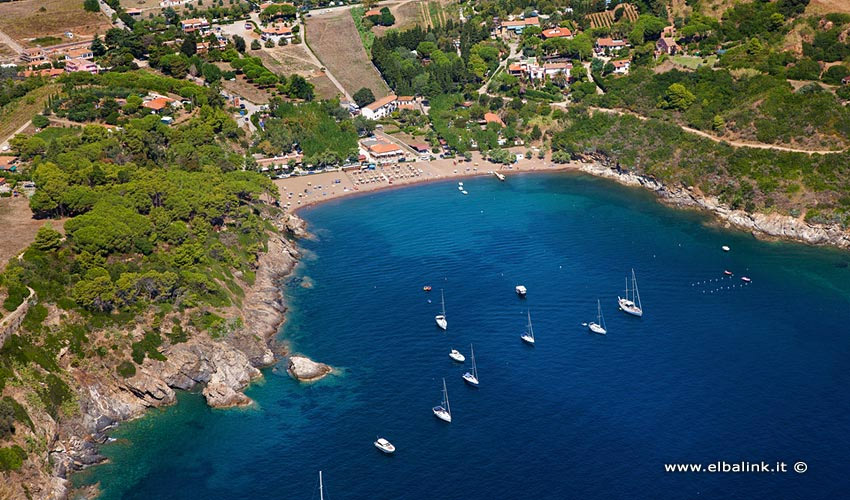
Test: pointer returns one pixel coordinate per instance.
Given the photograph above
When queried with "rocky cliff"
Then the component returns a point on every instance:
(222, 366)
(759, 224)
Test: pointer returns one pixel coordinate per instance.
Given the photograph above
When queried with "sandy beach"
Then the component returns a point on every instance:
(302, 191)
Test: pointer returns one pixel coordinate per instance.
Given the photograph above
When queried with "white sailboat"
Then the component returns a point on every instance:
(444, 411)
(599, 325)
(630, 304)
(528, 336)
(471, 378)
(441, 318)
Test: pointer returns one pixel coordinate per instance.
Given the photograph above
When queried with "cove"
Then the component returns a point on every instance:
(714, 371)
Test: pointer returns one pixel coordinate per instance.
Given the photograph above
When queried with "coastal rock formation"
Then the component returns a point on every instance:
(305, 369)
(759, 224)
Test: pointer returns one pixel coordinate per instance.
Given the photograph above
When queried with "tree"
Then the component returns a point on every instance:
(91, 5)
(189, 47)
(211, 73)
(835, 73)
(255, 45)
(97, 47)
(239, 43)
(47, 238)
(364, 96)
(300, 88)
(40, 121)
(677, 97)
(364, 126)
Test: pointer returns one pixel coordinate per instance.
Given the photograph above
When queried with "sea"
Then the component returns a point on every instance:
(717, 373)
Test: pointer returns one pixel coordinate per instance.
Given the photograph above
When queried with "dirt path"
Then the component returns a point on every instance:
(4, 38)
(737, 144)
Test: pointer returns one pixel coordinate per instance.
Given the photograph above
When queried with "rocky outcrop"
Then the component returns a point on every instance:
(759, 224)
(306, 370)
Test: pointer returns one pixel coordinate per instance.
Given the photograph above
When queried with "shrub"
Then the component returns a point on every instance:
(12, 458)
(126, 369)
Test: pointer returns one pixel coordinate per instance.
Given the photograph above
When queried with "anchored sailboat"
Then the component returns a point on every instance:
(528, 336)
(441, 318)
(599, 325)
(630, 304)
(444, 411)
(471, 378)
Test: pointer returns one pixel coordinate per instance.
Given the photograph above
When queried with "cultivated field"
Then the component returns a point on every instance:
(17, 113)
(294, 59)
(603, 19)
(27, 19)
(19, 227)
(826, 6)
(335, 41)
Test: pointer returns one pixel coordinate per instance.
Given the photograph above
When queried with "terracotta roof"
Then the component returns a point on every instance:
(515, 67)
(75, 53)
(610, 42)
(381, 102)
(195, 20)
(42, 72)
(620, 63)
(158, 103)
(5, 161)
(277, 30)
(383, 147)
(373, 12)
(557, 32)
(493, 118)
(405, 98)
(557, 66)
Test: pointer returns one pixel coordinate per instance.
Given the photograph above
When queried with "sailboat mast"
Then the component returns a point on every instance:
(443, 301)
(634, 285)
(321, 491)
(530, 329)
(446, 395)
(474, 368)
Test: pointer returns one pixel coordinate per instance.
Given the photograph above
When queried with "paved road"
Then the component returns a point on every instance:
(4, 146)
(106, 9)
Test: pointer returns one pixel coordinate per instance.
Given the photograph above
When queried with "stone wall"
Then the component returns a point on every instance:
(10, 324)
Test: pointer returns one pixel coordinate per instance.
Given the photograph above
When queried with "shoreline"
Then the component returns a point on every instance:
(319, 188)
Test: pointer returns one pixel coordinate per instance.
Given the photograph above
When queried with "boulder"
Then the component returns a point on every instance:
(305, 369)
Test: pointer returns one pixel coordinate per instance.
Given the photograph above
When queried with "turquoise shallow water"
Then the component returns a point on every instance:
(755, 373)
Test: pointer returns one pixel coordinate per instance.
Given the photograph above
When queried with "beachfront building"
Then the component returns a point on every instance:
(80, 65)
(380, 108)
(621, 66)
(197, 24)
(557, 33)
(609, 45)
(516, 27)
(382, 152)
(279, 162)
(276, 33)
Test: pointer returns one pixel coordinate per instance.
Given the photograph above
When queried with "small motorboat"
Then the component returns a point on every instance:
(745, 279)
(521, 290)
(727, 273)
(465, 191)
(725, 248)
(426, 288)
(385, 446)
(460, 188)
(457, 356)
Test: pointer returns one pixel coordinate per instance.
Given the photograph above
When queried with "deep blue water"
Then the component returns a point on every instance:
(755, 373)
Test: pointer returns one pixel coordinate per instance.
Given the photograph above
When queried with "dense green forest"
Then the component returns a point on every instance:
(163, 220)
(745, 178)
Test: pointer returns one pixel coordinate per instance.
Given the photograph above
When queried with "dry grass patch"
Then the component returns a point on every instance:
(826, 6)
(15, 114)
(19, 227)
(27, 19)
(336, 43)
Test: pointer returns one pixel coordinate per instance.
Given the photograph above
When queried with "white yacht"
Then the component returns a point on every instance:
(444, 411)
(385, 446)
(441, 318)
(528, 336)
(471, 378)
(521, 290)
(630, 304)
(457, 356)
(599, 325)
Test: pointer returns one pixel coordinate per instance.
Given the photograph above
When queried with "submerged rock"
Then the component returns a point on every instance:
(305, 369)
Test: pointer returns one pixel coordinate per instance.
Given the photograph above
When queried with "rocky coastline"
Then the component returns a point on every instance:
(760, 225)
(222, 367)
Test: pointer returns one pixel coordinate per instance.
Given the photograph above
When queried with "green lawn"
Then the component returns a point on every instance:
(694, 62)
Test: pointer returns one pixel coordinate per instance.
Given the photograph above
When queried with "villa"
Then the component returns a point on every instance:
(276, 33)
(609, 45)
(80, 65)
(557, 33)
(621, 66)
(200, 24)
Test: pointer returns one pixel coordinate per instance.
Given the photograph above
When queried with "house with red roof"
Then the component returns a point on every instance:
(557, 33)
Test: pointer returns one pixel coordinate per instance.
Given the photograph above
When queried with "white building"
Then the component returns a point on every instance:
(276, 33)
(380, 108)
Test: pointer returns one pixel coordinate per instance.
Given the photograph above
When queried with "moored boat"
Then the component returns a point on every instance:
(385, 446)
(444, 411)
(528, 336)
(521, 290)
(630, 304)
(727, 272)
(745, 279)
(441, 318)
(599, 325)
(471, 378)
(457, 356)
